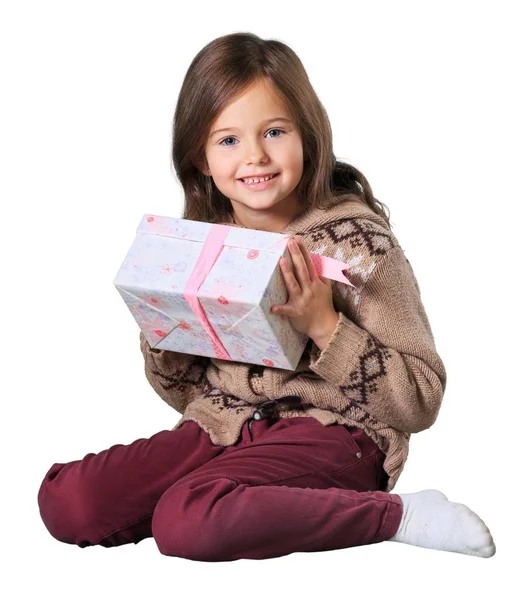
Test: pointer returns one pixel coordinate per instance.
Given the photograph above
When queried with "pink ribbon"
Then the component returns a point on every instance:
(207, 258)
(325, 267)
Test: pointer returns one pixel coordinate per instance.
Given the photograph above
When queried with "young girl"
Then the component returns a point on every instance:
(264, 461)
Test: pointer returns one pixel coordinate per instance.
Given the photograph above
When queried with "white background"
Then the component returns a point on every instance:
(422, 98)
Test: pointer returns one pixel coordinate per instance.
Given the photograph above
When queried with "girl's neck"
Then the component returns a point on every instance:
(275, 221)
(272, 228)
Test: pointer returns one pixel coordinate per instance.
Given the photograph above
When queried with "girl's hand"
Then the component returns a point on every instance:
(310, 304)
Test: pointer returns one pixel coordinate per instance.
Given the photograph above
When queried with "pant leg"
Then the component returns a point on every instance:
(295, 486)
(108, 498)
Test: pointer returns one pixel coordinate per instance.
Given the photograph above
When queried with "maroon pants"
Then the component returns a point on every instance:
(292, 485)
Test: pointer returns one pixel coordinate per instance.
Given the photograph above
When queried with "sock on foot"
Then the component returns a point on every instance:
(430, 520)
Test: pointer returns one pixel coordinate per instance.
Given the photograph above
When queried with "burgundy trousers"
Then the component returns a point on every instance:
(292, 485)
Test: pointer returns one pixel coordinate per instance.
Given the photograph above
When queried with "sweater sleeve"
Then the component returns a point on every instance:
(387, 363)
(175, 376)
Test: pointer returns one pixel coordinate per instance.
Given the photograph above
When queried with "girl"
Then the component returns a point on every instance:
(265, 462)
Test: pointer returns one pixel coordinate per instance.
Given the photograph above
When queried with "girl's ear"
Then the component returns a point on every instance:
(203, 168)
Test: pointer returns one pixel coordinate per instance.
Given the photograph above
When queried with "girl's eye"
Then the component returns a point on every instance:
(232, 138)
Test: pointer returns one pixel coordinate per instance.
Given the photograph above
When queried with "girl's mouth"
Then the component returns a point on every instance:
(262, 185)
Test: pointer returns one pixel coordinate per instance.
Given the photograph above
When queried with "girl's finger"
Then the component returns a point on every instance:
(311, 270)
(284, 309)
(290, 280)
(299, 262)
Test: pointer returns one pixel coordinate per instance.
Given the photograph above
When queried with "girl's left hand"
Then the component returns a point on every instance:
(310, 296)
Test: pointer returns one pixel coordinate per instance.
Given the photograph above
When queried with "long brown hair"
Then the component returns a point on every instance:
(224, 69)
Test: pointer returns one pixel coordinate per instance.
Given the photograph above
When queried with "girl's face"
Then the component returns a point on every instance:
(250, 145)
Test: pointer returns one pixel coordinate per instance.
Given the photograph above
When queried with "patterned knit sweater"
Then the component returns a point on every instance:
(380, 370)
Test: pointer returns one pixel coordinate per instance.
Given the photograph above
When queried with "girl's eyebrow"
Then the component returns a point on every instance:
(237, 129)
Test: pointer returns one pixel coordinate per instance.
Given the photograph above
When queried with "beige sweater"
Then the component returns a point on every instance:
(380, 370)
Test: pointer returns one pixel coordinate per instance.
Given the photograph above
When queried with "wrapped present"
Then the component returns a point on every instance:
(207, 290)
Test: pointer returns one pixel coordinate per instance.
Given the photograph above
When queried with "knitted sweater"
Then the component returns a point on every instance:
(380, 370)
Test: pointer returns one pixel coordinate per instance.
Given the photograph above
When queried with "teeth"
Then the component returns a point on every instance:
(257, 180)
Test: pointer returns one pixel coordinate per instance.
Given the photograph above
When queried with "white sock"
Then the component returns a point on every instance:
(430, 520)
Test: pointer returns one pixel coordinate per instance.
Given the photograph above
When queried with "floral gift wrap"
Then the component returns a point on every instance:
(207, 290)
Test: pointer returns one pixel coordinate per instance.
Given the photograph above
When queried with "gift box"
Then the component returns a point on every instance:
(207, 290)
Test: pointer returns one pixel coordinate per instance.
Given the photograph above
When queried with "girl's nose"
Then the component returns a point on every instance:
(254, 151)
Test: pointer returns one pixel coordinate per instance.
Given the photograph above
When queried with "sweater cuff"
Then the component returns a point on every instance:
(343, 350)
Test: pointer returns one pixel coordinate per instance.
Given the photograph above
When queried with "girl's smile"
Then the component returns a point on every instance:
(261, 185)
